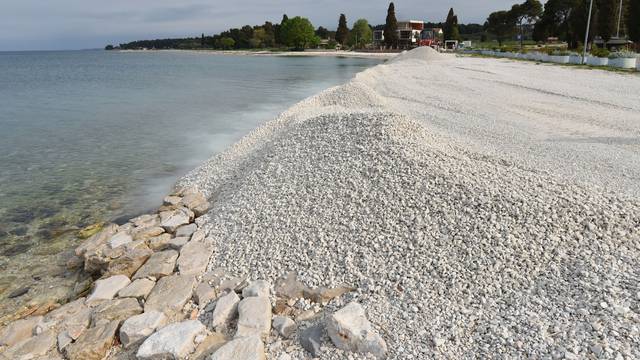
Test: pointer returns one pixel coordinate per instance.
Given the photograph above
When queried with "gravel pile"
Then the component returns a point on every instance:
(455, 253)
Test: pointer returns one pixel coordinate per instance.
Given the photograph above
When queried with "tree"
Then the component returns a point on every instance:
(606, 19)
(633, 20)
(391, 27)
(298, 32)
(361, 34)
(527, 12)
(278, 30)
(342, 34)
(322, 33)
(227, 43)
(501, 24)
(109, 47)
(451, 31)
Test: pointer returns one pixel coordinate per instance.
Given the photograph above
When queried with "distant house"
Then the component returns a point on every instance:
(410, 34)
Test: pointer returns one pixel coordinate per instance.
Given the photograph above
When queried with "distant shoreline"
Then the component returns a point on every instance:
(323, 53)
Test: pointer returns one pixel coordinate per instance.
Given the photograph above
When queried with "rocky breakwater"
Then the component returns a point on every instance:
(153, 298)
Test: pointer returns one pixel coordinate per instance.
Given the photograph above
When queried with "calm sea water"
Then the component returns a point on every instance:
(88, 136)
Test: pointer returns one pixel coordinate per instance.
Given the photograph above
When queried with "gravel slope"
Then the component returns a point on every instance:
(472, 220)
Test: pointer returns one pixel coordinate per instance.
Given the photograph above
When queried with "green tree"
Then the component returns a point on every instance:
(361, 34)
(391, 27)
(501, 24)
(109, 47)
(298, 32)
(606, 18)
(633, 20)
(322, 32)
(451, 31)
(526, 13)
(279, 38)
(227, 43)
(342, 34)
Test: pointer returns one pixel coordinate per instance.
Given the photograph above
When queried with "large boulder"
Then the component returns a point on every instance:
(196, 202)
(119, 239)
(138, 289)
(139, 327)
(186, 230)
(170, 294)
(246, 348)
(194, 258)
(116, 310)
(174, 341)
(147, 233)
(160, 242)
(257, 288)
(19, 330)
(254, 317)
(173, 219)
(311, 339)
(158, 265)
(225, 310)
(106, 289)
(33, 348)
(284, 326)
(130, 261)
(94, 343)
(350, 330)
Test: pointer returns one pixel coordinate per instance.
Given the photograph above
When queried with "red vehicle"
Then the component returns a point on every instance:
(429, 37)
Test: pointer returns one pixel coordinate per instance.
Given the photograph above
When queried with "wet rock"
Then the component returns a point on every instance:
(203, 294)
(119, 239)
(247, 348)
(94, 343)
(194, 258)
(284, 326)
(289, 287)
(115, 310)
(174, 341)
(17, 249)
(196, 202)
(158, 265)
(160, 242)
(147, 233)
(19, 330)
(254, 317)
(208, 346)
(186, 230)
(18, 292)
(106, 289)
(225, 310)
(170, 294)
(90, 230)
(139, 289)
(33, 348)
(139, 327)
(311, 339)
(257, 288)
(129, 262)
(350, 330)
(171, 220)
(97, 241)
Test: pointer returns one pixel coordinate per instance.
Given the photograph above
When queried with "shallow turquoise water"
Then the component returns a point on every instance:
(88, 136)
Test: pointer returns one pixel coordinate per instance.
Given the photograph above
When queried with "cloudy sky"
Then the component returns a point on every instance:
(83, 24)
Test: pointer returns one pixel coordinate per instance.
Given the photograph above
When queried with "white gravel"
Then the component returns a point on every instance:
(484, 208)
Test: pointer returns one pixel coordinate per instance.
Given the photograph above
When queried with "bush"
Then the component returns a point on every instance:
(599, 52)
(622, 55)
(560, 53)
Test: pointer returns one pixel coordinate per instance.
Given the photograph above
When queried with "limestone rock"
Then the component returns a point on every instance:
(116, 310)
(146, 221)
(323, 295)
(246, 348)
(19, 330)
(198, 236)
(208, 346)
(106, 289)
(284, 326)
(158, 265)
(172, 200)
(311, 339)
(171, 220)
(119, 239)
(139, 327)
(178, 242)
(203, 294)
(97, 241)
(129, 262)
(226, 308)
(194, 258)
(34, 347)
(147, 233)
(196, 202)
(254, 317)
(160, 242)
(186, 230)
(350, 330)
(170, 294)
(174, 341)
(72, 314)
(94, 343)
(289, 287)
(257, 288)
(139, 289)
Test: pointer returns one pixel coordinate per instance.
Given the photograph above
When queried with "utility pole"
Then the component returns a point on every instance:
(586, 34)
(619, 17)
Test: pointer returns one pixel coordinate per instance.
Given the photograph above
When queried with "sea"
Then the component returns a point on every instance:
(101, 136)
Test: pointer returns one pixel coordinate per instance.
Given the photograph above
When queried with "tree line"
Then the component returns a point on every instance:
(567, 20)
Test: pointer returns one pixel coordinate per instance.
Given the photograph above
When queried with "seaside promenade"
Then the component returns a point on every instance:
(435, 206)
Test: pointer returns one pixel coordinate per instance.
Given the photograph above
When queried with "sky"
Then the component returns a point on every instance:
(86, 24)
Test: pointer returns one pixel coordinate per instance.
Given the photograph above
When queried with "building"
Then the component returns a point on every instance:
(411, 34)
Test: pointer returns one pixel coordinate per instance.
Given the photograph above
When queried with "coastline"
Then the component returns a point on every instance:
(330, 190)
(307, 53)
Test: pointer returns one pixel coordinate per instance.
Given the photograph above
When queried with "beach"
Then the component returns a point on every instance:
(435, 206)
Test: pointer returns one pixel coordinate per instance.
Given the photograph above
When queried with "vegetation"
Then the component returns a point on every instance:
(299, 33)
(501, 24)
(504, 24)
(391, 27)
(599, 52)
(450, 29)
(633, 20)
(361, 34)
(343, 30)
